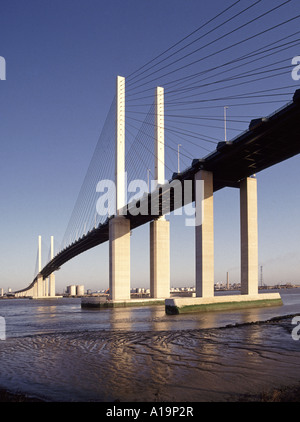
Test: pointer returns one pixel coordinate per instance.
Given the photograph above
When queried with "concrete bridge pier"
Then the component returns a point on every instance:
(249, 236)
(205, 299)
(40, 286)
(204, 237)
(160, 258)
(34, 290)
(52, 285)
(119, 258)
(46, 286)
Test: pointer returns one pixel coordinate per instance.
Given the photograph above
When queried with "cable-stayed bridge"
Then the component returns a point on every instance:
(166, 132)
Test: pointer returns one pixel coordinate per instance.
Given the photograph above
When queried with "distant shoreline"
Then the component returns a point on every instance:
(184, 292)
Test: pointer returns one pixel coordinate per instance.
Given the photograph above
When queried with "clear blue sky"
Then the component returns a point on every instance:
(62, 59)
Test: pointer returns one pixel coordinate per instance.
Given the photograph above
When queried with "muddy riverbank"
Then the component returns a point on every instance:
(256, 361)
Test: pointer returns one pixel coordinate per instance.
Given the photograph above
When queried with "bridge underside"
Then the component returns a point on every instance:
(267, 142)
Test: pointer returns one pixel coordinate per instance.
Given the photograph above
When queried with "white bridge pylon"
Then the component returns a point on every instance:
(119, 226)
(41, 288)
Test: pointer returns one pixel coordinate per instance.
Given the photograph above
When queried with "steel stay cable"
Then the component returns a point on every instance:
(197, 117)
(223, 49)
(236, 78)
(233, 77)
(75, 221)
(268, 76)
(133, 144)
(148, 148)
(183, 39)
(91, 192)
(183, 103)
(213, 117)
(232, 98)
(237, 105)
(259, 51)
(197, 39)
(168, 146)
(194, 133)
(253, 53)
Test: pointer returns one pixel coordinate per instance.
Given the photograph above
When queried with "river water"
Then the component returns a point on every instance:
(57, 351)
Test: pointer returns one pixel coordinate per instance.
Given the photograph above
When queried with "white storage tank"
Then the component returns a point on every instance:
(71, 290)
(80, 290)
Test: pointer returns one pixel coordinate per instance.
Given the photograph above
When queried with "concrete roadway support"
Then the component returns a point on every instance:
(46, 287)
(52, 285)
(160, 259)
(205, 238)
(119, 258)
(249, 236)
(40, 286)
(35, 289)
(52, 276)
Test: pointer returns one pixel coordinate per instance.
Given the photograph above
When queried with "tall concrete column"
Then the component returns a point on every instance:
(52, 285)
(119, 226)
(160, 228)
(119, 258)
(249, 236)
(46, 287)
(52, 276)
(160, 259)
(35, 289)
(204, 234)
(40, 286)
